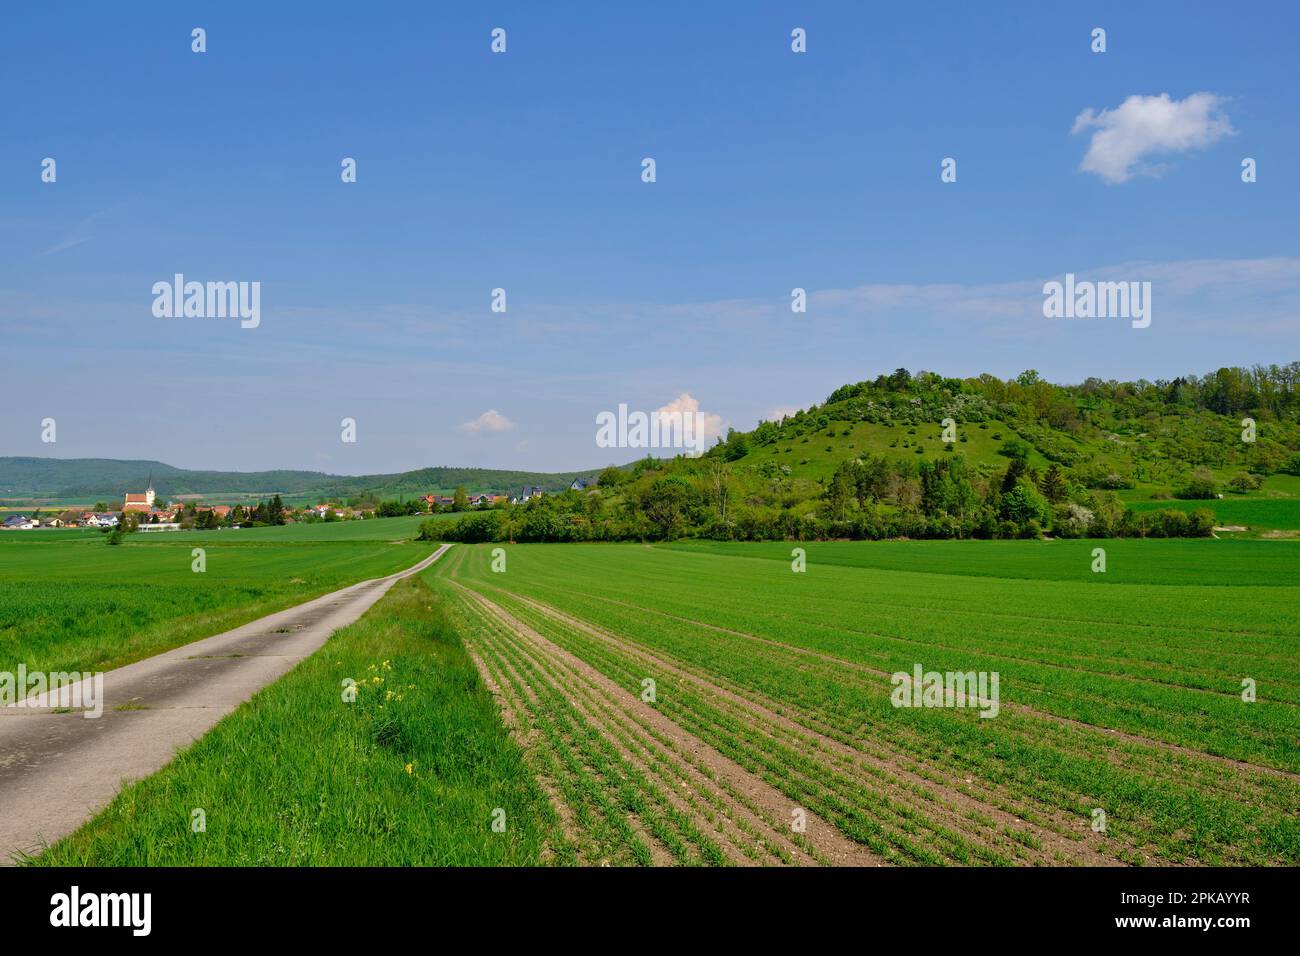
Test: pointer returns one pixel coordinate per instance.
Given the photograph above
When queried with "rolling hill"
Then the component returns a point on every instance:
(1140, 439)
(927, 456)
(75, 479)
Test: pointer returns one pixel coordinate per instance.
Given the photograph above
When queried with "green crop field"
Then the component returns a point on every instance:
(1119, 692)
(374, 529)
(1128, 560)
(705, 703)
(1262, 514)
(69, 601)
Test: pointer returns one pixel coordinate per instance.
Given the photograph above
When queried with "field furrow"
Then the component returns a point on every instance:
(706, 790)
(1177, 773)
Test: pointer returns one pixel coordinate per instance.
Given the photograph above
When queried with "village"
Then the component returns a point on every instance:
(142, 511)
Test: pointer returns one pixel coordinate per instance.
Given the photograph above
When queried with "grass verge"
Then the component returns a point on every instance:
(412, 773)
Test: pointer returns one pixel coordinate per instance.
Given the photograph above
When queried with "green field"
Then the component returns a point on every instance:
(374, 529)
(1128, 560)
(1263, 514)
(1116, 696)
(70, 601)
(1120, 692)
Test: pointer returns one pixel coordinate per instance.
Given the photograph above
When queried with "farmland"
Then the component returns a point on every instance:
(410, 772)
(376, 529)
(69, 601)
(1260, 513)
(1119, 697)
(702, 703)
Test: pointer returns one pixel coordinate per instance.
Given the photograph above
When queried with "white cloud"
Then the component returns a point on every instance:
(1144, 125)
(708, 426)
(489, 421)
(780, 412)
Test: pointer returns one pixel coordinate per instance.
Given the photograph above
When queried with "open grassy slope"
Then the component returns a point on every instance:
(1145, 441)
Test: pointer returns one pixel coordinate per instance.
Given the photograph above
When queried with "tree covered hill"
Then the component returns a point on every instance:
(108, 478)
(1146, 436)
(923, 455)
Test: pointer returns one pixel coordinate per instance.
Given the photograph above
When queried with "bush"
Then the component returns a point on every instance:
(1014, 448)
(1244, 483)
(1105, 480)
(472, 529)
(1023, 504)
(1201, 487)
(1172, 523)
(1200, 523)
(1071, 521)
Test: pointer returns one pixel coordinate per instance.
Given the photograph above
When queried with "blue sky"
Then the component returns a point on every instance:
(522, 171)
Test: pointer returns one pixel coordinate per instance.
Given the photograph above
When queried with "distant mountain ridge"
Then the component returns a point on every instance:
(22, 477)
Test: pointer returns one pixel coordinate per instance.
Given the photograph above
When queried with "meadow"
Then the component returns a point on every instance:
(69, 601)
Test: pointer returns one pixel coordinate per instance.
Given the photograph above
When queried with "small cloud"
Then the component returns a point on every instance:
(780, 412)
(708, 426)
(1144, 125)
(489, 421)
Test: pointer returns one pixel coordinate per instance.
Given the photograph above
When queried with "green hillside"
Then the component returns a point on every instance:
(1142, 437)
(1025, 458)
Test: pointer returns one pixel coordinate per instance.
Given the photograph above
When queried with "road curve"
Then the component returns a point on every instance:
(58, 769)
